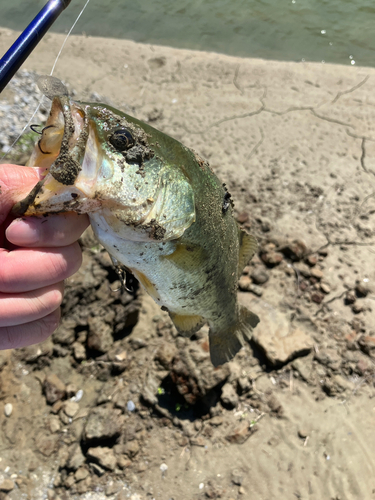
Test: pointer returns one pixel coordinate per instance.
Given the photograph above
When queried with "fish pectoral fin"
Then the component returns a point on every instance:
(248, 247)
(186, 325)
(225, 343)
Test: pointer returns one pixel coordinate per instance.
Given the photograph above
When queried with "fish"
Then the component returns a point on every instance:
(155, 205)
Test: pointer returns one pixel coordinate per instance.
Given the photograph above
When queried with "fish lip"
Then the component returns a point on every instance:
(67, 165)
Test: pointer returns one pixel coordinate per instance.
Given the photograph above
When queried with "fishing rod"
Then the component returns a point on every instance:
(29, 39)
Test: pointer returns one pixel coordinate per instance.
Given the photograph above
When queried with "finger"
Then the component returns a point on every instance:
(15, 183)
(54, 231)
(24, 270)
(20, 308)
(34, 332)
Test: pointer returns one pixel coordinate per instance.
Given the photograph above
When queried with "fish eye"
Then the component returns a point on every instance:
(121, 139)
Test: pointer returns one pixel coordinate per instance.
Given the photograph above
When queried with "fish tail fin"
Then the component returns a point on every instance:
(225, 343)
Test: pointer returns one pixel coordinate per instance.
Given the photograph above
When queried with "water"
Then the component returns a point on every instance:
(334, 31)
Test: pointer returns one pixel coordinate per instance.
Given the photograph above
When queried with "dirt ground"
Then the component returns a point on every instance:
(116, 405)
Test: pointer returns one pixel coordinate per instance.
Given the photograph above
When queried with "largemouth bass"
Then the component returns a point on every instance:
(157, 208)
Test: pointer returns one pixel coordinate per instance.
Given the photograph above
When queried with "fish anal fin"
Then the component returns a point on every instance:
(186, 325)
(226, 342)
(248, 247)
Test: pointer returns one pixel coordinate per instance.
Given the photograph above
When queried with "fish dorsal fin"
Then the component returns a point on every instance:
(248, 247)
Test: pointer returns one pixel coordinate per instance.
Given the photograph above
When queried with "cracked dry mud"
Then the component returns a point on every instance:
(116, 405)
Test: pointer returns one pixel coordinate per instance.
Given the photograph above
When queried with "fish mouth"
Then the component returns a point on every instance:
(60, 151)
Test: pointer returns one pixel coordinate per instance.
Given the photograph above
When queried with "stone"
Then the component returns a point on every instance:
(53, 388)
(103, 456)
(325, 288)
(350, 297)
(271, 259)
(317, 273)
(76, 458)
(242, 217)
(244, 283)
(280, 340)
(259, 275)
(54, 425)
(165, 354)
(7, 485)
(71, 408)
(81, 474)
(237, 477)
(362, 289)
(79, 351)
(240, 433)
(112, 488)
(296, 250)
(8, 409)
(131, 448)
(100, 335)
(317, 297)
(229, 396)
(103, 423)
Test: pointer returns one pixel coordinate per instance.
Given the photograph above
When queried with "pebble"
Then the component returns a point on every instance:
(244, 283)
(54, 388)
(237, 477)
(229, 397)
(362, 289)
(7, 485)
(317, 273)
(325, 288)
(130, 406)
(103, 456)
(8, 409)
(296, 250)
(350, 297)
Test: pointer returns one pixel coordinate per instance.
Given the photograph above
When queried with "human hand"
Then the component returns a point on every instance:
(36, 255)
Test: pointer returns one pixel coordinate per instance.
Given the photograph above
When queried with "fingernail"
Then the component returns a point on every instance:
(22, 233)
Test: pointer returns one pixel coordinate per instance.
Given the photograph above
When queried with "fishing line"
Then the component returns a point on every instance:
(51, 73)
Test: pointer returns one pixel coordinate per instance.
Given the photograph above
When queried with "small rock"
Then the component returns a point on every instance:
(112, 488)
(259, 275)
(71, 389)
(71, 408)
(54, 389)
(229, 397)
(367, 343)
(244, 283)
(311, 260)
(237, 477)
(165, 354)
(54, 424)
(256, 290)
(325, 288)
(123, 462)
(357, 308)
(76, 458)
(242, 217)
(362, 289)
(216, 421)
(303, 432)
(130, 406)
(81, 474)
(279, 341)
(317, 297)
(7, 485)
(131, 448)
(296, 250)
(79, 351)
(240, 433)
(244, 384)
(8, 409)
(103, 423)
(103, 456)
(350, 297)
(271, 259)
(317, 273)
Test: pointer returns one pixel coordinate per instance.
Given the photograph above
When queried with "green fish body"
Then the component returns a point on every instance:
(156, 207)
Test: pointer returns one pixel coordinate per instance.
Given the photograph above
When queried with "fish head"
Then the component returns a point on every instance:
(99, 160)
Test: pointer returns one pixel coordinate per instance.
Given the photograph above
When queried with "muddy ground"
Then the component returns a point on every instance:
(116, 405)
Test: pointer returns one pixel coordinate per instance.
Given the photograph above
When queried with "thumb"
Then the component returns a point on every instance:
(15, 183)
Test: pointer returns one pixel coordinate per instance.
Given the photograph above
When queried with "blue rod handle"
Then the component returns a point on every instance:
(29, 39)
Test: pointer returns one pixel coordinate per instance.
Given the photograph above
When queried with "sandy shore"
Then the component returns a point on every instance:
(295, 142)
